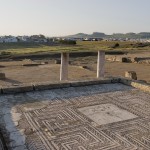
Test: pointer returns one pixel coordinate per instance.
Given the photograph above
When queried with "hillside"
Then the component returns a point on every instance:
(141, 35)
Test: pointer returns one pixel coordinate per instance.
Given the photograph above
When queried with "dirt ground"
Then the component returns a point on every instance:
(80, 68)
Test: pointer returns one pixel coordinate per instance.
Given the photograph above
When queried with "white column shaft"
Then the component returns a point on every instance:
(64, 66)
(101, 64)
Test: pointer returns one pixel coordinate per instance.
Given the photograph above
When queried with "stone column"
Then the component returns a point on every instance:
(64, 66)
(100, 64)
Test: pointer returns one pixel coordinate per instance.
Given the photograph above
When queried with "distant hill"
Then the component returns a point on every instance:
(83, 35)
(78, 35)
(141, 35)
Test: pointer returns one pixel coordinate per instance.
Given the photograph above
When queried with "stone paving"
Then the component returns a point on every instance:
(96, 117)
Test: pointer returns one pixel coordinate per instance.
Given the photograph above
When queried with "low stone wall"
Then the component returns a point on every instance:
(65, 84)
(124, 59)
(21, 88)
(136, 84)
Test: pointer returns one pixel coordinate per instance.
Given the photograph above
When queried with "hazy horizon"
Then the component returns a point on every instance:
(62, 18)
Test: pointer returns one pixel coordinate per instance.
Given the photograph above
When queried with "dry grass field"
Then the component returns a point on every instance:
(16, 73)
(83, 46)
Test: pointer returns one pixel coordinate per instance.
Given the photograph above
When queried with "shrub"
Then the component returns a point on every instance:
(137, 45)
(67, 42)
(5, 53)
(115, 45)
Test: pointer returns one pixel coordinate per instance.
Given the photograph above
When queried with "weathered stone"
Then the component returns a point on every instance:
(84, 67)
(2, 76)
(131, 75)
(135, 59)
(126, 59)
(115, 80)
(49, 85)
(17, 88)
(90, 82)
(31, 65)
(137, 84)
(142, 86)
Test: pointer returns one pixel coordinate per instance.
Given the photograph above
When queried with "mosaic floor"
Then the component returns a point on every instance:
(98, 117)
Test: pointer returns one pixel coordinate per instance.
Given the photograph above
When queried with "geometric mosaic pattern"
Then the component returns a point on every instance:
(67, 129)
(55, 121)
(106, 113)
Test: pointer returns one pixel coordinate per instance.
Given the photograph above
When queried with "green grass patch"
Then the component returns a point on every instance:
(31, 48)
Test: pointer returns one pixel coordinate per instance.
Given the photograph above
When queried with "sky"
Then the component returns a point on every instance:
(67, 17)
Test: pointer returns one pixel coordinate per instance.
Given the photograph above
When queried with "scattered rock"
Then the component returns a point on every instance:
(126, 59)
(119, 59)
(131, 75)
(144, 60)
(135, 60)
(26, 60)
(84, 67)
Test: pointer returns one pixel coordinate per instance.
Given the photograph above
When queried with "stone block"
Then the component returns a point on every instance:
(142, 86)
(31, 65)
(125, 81)
(136, 84)
(126, 59)
(17, 88)
(2, 76)
(131, 75)
(90, 82)
(84, 67)
(50, 85)
(115, 80)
